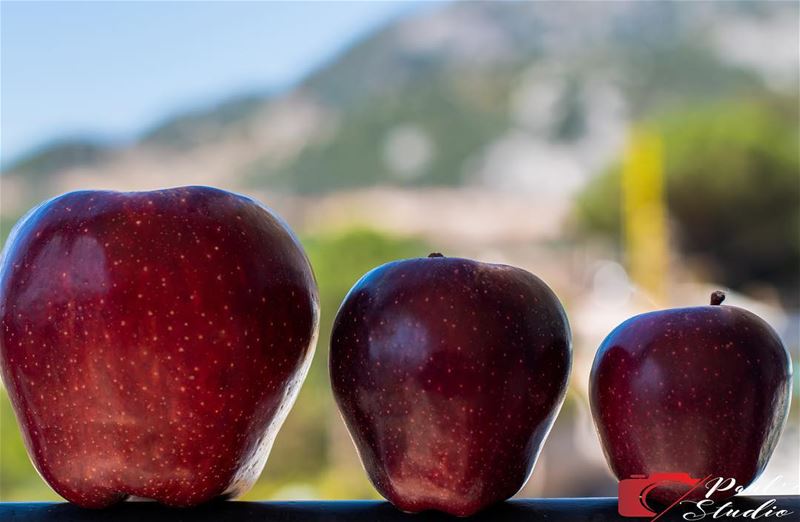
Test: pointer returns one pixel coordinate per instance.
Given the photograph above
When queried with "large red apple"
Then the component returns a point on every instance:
(702, 390)
(449, 374)
(152, 343)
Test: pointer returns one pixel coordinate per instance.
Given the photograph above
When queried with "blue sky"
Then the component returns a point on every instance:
(112, 70)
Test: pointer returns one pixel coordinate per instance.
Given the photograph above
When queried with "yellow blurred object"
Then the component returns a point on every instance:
(643, 212)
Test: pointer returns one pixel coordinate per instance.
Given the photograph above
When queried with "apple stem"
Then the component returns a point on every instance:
(435, 254)
(717, 296)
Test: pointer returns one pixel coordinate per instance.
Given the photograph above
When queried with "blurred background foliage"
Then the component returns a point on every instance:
(495, 131)
(733, 192)
(339, 260)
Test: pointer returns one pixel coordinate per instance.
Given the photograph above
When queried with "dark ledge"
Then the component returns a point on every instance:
(527, 510)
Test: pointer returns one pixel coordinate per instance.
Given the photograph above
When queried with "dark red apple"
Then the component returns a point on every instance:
(449, 374)
(702, 390)
(152, 343)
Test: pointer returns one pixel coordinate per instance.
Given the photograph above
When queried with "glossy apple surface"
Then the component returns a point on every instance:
(702, 390)
(449, 374)
(153, 342)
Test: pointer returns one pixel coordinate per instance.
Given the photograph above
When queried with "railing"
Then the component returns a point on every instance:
(527, 510)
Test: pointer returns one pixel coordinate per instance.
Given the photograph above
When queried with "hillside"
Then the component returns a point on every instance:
(488, 95)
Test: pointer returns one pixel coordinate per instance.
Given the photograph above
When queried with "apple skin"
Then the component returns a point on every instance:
(702, 390)
(152, 343)
(449, 374)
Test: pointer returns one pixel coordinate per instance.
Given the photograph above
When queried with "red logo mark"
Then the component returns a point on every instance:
(633, 492)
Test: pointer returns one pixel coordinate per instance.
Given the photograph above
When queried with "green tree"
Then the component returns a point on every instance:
(339, 260)
(733, 191)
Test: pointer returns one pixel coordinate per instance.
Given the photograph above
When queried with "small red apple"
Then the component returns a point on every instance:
(702, 390)
(449, 374)
(152, 343)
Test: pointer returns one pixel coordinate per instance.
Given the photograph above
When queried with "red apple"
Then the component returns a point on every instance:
(702, 390)
(152, 343)
(449, 374)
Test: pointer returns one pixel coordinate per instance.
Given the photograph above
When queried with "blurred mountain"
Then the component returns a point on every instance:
(60, 155)
(531, 97)
(205, 125)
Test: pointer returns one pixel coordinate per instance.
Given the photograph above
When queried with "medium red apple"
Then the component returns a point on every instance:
(152, 343)
(702, 390)
(449, 374)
